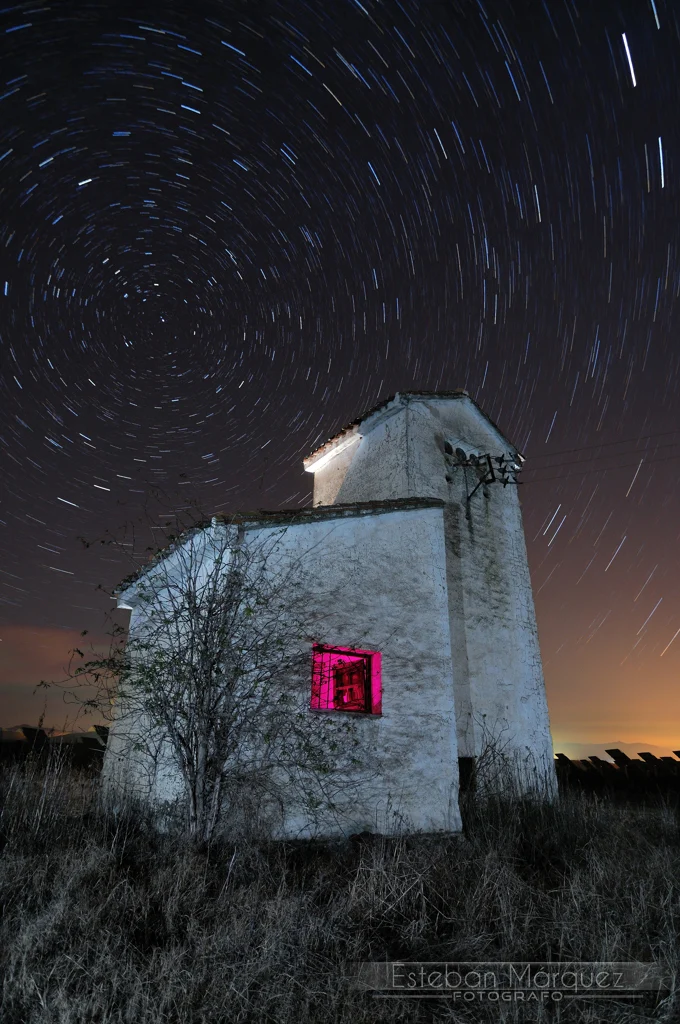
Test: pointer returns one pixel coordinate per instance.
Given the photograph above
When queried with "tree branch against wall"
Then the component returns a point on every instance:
(211, 686)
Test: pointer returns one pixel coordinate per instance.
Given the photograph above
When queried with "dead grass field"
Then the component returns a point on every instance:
(106, 922)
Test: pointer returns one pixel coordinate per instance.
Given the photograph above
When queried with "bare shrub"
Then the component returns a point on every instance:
(515, 773)
(207, 694)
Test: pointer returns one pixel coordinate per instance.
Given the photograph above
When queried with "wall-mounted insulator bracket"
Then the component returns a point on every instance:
(490, 469)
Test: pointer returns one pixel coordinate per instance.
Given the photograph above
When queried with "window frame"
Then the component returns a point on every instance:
(322, 702)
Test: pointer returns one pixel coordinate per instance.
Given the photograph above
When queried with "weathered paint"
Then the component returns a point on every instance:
(356, 590)
(440, 587)
(399, 452)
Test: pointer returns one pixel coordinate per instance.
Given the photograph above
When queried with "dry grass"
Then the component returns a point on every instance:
(105, 921)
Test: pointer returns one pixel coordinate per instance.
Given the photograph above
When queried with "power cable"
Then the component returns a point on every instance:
(606, 469)
(604, 444)
(614, 455)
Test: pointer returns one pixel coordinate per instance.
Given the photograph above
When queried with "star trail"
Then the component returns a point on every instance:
(228, 228)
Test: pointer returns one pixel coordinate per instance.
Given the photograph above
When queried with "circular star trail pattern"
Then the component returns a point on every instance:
(230, 227)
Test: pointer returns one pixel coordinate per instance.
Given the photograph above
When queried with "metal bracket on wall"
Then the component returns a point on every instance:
(504, 471)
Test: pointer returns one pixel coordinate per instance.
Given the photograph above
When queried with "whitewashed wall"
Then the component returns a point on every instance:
(374, 580)
(136, 757)
(499, 686)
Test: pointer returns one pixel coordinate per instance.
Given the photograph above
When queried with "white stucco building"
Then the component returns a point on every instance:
(420, 603)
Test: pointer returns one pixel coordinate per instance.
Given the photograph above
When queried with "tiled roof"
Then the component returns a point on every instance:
(318, 511)
(332, 441)
(353, 508)
(290, 516)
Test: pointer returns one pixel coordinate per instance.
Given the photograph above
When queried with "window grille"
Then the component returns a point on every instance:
(345, 679)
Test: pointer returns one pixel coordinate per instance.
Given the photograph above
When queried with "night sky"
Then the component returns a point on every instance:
(228, 228)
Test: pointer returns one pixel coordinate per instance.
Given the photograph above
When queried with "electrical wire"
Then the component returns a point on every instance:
(605, 444)
(613, 455)
(605, 469)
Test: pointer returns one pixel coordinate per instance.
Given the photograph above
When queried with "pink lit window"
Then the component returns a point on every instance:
(344, 679)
